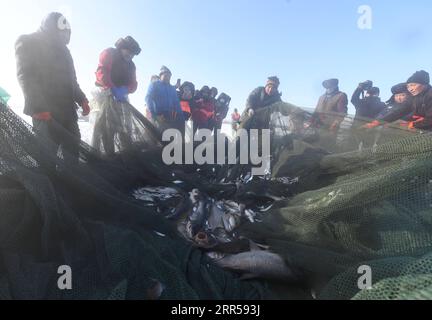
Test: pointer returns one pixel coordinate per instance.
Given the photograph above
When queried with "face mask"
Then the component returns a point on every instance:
(330, 91)
(57, 26)
(63, 24)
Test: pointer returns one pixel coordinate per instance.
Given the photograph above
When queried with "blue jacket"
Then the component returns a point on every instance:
(162, 99)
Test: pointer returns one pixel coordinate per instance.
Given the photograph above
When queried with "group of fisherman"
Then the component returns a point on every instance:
(47, 76)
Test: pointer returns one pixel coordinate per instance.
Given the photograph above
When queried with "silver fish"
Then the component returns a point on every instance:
(200, 211)
(259, 264)
(250, 215)
(215, 255)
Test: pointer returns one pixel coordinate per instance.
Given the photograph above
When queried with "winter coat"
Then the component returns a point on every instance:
(46, 73)
(331, 109)
(114, 71)
(162, 99)
(203, 112)
(369, 107)
(420, 106)
(259, 99)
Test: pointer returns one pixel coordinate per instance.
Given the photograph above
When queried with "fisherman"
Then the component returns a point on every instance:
(47, 76)
(221, 110)
(368, 107)
(214, 93)
(397, 105)
(330, 112)
(186, 94)
(203, 111)
(235, 118)
(115, 80)
(116, 71)
(164, 104)
(263, 97)
(419, 104)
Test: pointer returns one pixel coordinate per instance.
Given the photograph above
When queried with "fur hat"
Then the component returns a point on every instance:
(130, 44)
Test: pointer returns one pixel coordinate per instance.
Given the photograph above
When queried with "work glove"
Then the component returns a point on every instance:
(120, 94)
(85, 108)
(412, 124)
(372, 125)
(251, 112)
(43, 116)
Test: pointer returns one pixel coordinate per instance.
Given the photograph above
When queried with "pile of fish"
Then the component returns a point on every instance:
(198, 214)
(211, 225)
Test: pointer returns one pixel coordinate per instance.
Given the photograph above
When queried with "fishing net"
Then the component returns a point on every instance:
(333, 203)
(118, 126)
(56, 213)
(354, 207)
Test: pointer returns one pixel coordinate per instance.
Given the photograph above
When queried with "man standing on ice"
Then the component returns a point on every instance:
(164, 104)
(330, 112)
(263, 97)
(46, 73)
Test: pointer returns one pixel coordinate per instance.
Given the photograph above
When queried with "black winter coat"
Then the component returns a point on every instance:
(259, 99)
(420, 105)
(46, 73)
(369, 107)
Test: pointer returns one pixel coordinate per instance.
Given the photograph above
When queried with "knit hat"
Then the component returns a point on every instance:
(420, 77)
(331, 83)
(128, 43)
(273, 81)
(164, 70)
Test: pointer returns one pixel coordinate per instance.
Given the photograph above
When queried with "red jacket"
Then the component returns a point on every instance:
(203, 112)
(114, 71)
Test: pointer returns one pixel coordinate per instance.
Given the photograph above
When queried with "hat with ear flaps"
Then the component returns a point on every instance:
(398, 89)
(130, 44)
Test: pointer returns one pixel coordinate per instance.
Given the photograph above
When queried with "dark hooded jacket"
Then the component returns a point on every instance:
(46, 73)
(420, 106)
(369, 107)
(259, 99)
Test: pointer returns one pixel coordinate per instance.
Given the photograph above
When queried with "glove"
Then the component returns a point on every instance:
(120, 93)
(334, 127)
(417, 119)
(372, 125)
(43, 116)
(85, 108)
(251, 112)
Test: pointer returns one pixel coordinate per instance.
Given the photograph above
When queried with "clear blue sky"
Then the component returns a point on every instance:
(235, 44)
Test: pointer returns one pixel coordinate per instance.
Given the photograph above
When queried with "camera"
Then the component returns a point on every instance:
(366, 85)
